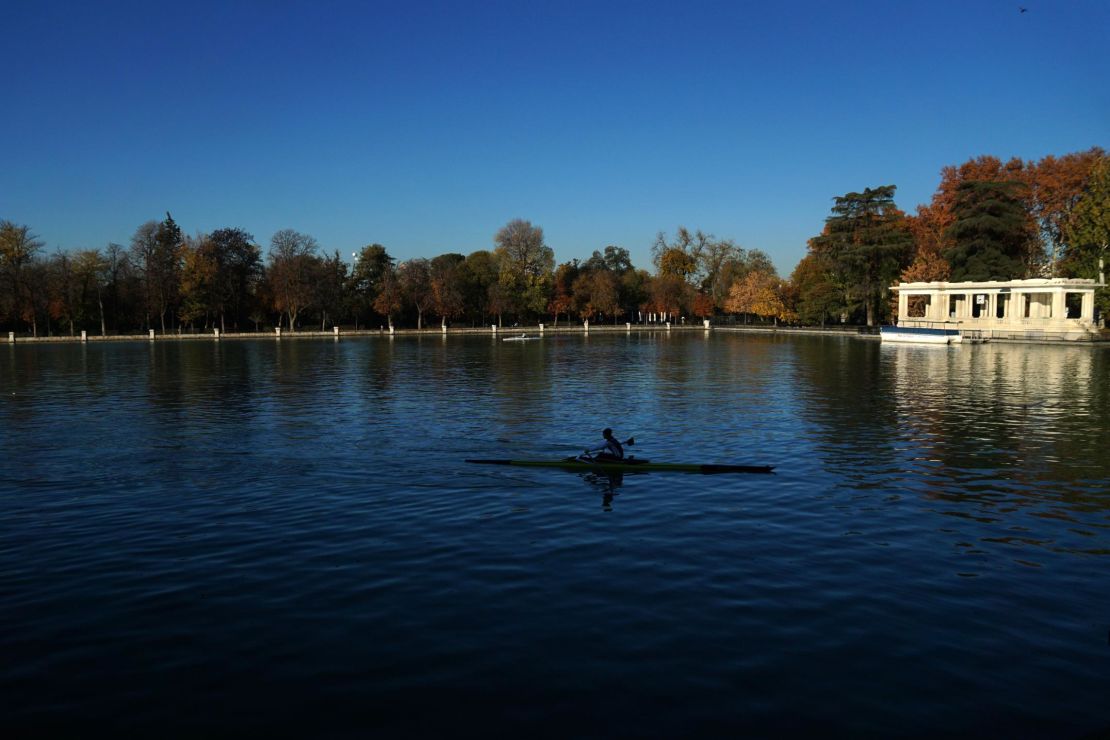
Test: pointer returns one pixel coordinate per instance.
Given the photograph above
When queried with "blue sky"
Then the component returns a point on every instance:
(425, 126)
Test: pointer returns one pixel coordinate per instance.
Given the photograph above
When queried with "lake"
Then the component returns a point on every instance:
(248, 537)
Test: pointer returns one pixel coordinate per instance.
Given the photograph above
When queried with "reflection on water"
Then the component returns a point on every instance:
(285, 534)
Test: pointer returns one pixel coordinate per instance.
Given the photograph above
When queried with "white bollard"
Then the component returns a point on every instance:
(705, 323)
(335, 330)
(493, 328)
(277, 332)
(668, 326)
(216, 333)
(628, 325)
(443, 328)
(11, 337)
(586, 326)
(541, 328)
(84, 335)
(151, 335)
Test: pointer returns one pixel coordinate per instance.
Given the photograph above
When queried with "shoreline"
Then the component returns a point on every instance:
(860, 332)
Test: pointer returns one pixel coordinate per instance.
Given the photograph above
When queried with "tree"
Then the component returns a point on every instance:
(330, 283)
(677, 263)
(617, 259)
(416, 286)
(477, 274)
(388, 300)
(239, 270)
(1088, 230)
(371, 266)
(199, 286)
(668, 294)
(817, 296)
(596, 292)
(562, 294)
(1056, 185)
(867, 240)
(703, 306)
(18, 247)
(293, 265)
(928, 229)
(762, 294)
(91, 269)
(446, 285)
(156, 252)
(526, 263)
(64, 302)
(990, 233)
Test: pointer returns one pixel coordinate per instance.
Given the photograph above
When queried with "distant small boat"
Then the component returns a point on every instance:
(920, 335)
(521, 338)
(629, 465)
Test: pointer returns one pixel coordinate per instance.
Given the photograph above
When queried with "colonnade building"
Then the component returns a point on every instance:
(1040, 308)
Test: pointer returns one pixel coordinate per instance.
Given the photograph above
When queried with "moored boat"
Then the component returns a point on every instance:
(920, 334)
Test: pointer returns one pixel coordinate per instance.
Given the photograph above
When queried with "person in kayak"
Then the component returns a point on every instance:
(610, 449)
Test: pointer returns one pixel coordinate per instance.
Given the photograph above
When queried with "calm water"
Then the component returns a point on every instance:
(282, 537)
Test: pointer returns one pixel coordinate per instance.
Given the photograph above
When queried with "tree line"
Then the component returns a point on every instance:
(987, 220)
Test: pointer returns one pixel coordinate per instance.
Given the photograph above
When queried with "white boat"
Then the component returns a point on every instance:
(521, 338)
(920, 335)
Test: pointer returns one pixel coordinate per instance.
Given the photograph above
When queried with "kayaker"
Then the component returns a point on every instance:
(610, 449)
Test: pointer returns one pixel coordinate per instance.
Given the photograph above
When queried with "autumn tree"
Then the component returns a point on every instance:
(1056, 185)
(526, 265)
(761, 294)
(867, 240)
(1088, 231)
(446, 286)
(990, 233)
(416, 286)
(199, 286)
(702, 306)
(388, 300)
(596, 292)
(676, 263)
(562, 294)
(669, 294)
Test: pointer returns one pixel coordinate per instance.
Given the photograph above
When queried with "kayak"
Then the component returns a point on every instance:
(521, 338)
(632, 465)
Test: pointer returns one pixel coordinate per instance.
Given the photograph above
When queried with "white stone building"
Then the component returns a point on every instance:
(1042, 308)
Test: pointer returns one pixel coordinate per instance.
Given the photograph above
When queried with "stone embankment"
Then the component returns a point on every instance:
(861, 332)
(535, 330)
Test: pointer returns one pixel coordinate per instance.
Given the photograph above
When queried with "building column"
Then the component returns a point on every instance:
(1059, 307)
(903, 304)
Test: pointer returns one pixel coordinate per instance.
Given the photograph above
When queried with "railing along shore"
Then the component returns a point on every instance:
(492, 330)
(862, 332)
